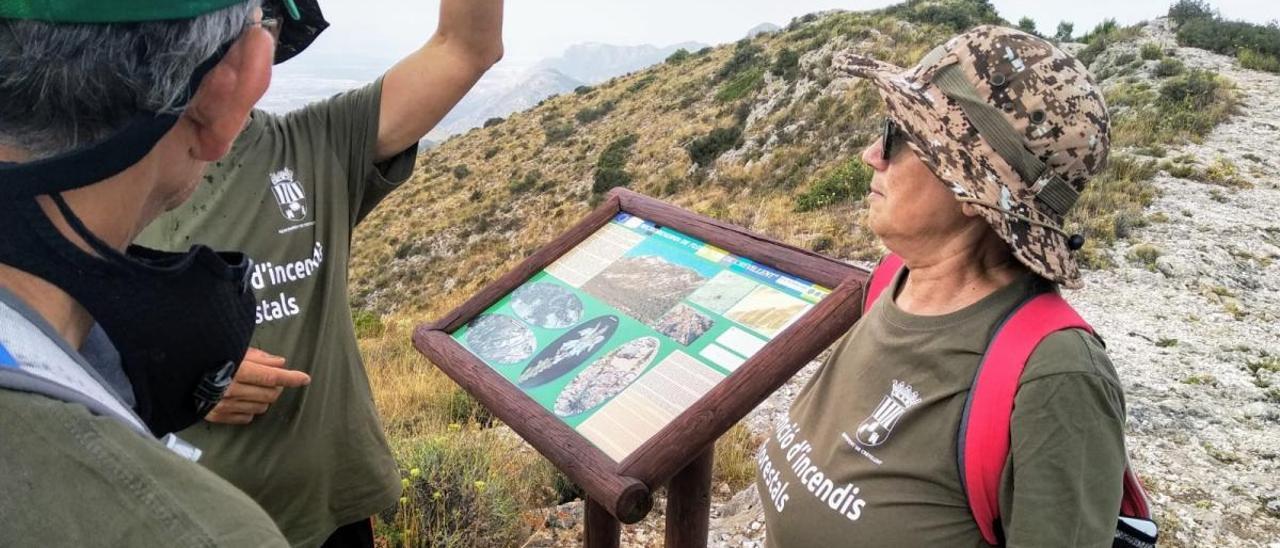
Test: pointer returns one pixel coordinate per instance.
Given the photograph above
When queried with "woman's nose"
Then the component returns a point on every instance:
(873, 157)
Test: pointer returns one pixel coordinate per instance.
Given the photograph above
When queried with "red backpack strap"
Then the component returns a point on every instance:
(880, 279)
(984, 428)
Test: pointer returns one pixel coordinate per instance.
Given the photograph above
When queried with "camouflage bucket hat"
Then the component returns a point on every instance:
(1012, 124)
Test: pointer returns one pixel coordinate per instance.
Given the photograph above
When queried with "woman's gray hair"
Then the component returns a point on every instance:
(65, 86)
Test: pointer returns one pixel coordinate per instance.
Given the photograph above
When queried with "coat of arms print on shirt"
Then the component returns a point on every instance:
(289, 195)
(876, 428)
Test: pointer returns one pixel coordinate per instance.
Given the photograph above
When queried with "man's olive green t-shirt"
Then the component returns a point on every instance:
(868, 455)
(70, 478)
(289, 195)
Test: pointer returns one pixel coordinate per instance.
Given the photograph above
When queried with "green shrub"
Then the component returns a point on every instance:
(851, 179)
(1152, 51)
(958, 15)
(491, 152)
(1101, 37)
(461, 171)
(1186, 107)
(367, 324)
(556, 130)
(741, 85)
(591, 114)
(1186, 10)
(522, 184)
(1258, 61)
(1028, 25)
(610, 172)
(1229, 37)
(493, 121)
(1168, 67)
(1065, 29)
(679, 56)
(707, 148)
(642, 83)
(746, 55)
(787, 65)
(583, 90)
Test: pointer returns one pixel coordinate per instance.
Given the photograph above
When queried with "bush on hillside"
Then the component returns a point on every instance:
(1186, 10)
(958, 15)
(1258, 61)
(1230, 37)
(1028, 25)
(746, 55)
(591, 114)
(1065, 29)
(679, 56)
(610, 172)
(1151, 51)
(787, 65)
(1168, 67)
(850, 180)
(741, 85)
(556, 130)
(704, 150)
(493, 121)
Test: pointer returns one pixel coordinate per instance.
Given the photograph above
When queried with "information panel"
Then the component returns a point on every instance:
(632, 326)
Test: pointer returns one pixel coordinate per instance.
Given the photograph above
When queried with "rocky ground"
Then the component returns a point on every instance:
(1189, 315)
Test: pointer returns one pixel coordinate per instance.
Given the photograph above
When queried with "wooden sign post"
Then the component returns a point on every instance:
(625, 347)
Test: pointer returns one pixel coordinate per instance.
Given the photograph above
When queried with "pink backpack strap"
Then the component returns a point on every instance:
(880, 279)
(984, 429)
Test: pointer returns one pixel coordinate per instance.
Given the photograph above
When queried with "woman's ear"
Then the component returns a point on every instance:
(221, 105)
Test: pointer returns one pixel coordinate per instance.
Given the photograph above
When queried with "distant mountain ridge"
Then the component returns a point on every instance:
(593, 62)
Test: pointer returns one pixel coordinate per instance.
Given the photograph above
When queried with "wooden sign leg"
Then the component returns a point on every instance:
(599, 528)
(689, 503)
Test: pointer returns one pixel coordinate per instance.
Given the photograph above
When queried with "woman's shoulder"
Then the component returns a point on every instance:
(1070, 352)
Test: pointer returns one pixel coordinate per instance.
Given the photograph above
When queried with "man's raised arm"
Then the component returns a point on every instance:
(419, 90)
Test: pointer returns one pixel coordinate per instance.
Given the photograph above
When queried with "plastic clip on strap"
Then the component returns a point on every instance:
(1050, 189)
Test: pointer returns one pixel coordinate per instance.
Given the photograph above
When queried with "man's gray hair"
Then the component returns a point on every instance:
(65, 86)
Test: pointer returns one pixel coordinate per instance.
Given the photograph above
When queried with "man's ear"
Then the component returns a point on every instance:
(969, 210)
(221, 105)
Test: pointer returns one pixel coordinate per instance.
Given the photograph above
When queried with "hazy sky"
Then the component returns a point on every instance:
(537, 29)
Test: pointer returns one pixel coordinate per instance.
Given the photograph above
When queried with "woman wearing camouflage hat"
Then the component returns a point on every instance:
(987, 144)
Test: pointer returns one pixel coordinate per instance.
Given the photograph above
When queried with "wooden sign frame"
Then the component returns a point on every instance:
(685, 445)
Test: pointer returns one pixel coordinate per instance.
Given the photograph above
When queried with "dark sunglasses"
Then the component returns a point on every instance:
(891, 134)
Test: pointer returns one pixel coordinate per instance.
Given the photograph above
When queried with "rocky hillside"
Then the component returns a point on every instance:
(1183, 279)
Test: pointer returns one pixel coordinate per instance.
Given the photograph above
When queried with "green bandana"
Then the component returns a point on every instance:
(113, 11)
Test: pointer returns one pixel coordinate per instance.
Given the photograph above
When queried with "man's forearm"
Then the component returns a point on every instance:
(423, 87)
(473, 28)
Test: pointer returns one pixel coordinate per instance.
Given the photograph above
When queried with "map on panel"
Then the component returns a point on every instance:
(631, 327)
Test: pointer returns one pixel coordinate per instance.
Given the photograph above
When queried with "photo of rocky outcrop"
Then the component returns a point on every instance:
(568, 352)
(548, 305)
(683, 324)
(644, 287)
(722, 292)
(501, 340)
(607, 377)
